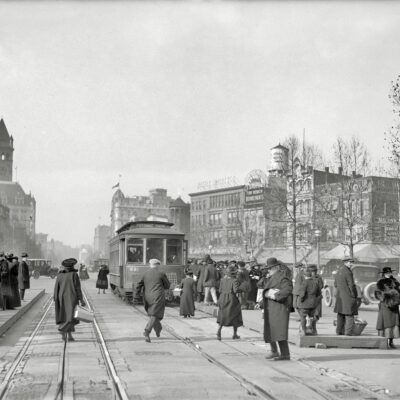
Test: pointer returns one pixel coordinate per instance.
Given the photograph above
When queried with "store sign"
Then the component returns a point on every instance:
(229, 181)
(255, 182)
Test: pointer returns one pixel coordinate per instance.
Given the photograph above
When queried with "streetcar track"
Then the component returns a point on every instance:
(118, 389)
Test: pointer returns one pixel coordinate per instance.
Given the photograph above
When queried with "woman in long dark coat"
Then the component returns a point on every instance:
(5, 286)
(229, 309)
(188, 295)
(83, 273)
(67, 295)
(388, 293)
(15, 300)
(102, 281)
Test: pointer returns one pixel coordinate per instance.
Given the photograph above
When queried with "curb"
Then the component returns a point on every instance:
(10, 322)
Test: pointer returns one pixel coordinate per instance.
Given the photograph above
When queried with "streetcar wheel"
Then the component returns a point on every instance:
(328, 298)
(36, 274)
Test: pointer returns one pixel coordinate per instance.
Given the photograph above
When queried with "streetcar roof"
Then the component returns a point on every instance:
(150, 227)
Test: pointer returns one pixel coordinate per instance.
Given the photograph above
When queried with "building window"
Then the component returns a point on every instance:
(174, 251)
(135, 251)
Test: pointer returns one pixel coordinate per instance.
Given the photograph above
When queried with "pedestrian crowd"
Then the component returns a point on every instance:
(14, 280)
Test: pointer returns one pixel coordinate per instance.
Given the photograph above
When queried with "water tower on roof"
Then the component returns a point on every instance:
(279, 160)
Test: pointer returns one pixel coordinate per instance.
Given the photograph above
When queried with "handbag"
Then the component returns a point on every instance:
(83, 314)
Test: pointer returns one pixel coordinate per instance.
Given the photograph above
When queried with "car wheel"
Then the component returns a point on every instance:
(328, 298)
(369, 293)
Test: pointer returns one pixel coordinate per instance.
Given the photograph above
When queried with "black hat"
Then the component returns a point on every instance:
(24, 254)
(69, 262)
(210, 261)
(241, 263)
(387, 270)
(1, 253)
(231, 271)
(272, 262)
(188, 271)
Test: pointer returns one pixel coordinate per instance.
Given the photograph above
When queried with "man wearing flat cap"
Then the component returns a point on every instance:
(67, 295)
(346, 298)
(153, 285)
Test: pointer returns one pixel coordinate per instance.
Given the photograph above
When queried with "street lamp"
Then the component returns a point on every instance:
(317, 234)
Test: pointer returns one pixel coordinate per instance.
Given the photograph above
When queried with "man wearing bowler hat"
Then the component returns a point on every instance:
(346, 298)
(277, 298)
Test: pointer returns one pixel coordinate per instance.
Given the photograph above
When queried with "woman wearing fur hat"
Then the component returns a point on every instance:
(67, 295)
(229, 309)
(388, 293)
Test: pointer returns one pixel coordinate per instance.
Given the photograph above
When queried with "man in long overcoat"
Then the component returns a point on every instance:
(211, 280)
(23, 276)
(67, 295)
(346, 298)
(200, 281)
(13, 265)
(153, 284)
(277, 298)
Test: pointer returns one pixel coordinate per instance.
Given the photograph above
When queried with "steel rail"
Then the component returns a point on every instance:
(119, 389)
(11, 372)
(251, 388)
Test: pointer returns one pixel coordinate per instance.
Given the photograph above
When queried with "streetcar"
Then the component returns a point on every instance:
(135, 244)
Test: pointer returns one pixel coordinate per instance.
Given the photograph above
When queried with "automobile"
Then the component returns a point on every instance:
(41, 267)
(365, 278)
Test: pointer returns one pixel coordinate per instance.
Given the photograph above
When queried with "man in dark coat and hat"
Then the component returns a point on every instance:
(188, 295)
(277, 297)
(23, 276)
(211, 280)
(200, 280)
(67, 295)
(13, 265)
(153, 284)
(346, 298)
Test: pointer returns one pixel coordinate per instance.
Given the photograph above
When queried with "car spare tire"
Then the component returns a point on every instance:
(369, 293)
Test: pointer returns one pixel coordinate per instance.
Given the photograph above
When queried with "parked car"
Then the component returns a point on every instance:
(41, 267)
(365, 278)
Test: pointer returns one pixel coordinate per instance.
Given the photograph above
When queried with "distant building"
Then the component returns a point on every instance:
(102, 234)
(179, 214)
(216, 222)
(41, 241)
(21, 206)
(156, 204)
(5, 228)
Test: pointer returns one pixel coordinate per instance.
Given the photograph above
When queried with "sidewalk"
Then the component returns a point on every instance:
(373, 368)
(9, 317)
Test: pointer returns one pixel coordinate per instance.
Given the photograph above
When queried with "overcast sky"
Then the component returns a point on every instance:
(169, 94)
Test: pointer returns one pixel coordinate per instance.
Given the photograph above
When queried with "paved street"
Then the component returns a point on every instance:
(188, 352)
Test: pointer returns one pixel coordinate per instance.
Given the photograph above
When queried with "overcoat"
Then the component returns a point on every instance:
(229, 309)
(23, 276)
(211, 276)
(188, 295)
(296, 288)
(309, 294)
(15, 300)
(102, 281)
(346, 294)
(83, 273)
(276, 312)
(67, 293)
(200, 278)
(5, 285)
(154, 283)
(388, 315)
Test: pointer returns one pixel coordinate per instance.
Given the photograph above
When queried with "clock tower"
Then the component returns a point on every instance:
(6, 153)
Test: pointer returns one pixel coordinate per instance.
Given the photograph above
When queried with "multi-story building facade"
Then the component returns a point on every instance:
(216, 221)
(156, 204)
(102, 234)
(21, 206)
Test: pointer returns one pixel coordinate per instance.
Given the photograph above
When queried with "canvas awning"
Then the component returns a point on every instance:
(367, 252)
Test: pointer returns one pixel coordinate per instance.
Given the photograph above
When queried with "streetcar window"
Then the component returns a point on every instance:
(135, 251)
(174, 251)
(155, 249)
